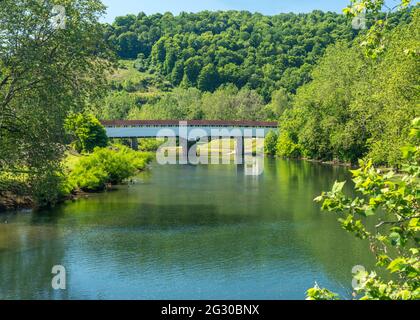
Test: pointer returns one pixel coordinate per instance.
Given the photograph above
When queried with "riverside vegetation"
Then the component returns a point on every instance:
(91, 163)
(386, 211)
(339, 94)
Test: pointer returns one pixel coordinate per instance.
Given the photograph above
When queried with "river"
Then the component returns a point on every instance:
(187, 232)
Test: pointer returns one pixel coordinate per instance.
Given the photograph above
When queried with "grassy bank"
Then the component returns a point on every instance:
(82, 173)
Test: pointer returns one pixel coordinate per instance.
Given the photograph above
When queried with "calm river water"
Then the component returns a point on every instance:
(186, 232)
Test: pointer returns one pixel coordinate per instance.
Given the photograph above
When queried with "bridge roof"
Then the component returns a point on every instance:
(224, 123)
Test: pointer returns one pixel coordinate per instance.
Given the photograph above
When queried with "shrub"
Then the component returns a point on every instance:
(270, 143)
(151, 144)
(286, 147)
(107, 166)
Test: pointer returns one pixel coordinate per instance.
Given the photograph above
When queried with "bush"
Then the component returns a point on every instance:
(270, 143)
(151, 144)
(107, 166)
(286, 147)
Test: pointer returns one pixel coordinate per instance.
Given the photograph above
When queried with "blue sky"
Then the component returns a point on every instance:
(269, 7)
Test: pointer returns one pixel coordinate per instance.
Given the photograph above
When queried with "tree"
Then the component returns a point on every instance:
(270, 143)
(86, 131)
(128, 45)
(177, 73)
(375, 38)
(192, 69)
(117, 105)
(208, 80)
(180, 104)
(47, 68)
(280, 101)
(362, 109)
(249, 104)
(229, 103)
(394, 237)
(246, 49)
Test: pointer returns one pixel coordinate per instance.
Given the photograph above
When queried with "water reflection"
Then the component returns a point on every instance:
(187, 232)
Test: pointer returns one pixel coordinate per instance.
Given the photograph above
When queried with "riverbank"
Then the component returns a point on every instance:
(83, 174)
(331, 162)
(10, 201)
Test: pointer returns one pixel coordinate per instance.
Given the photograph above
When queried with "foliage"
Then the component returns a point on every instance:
(117, 105)
(209, 49)
(317, 293)
(86, 131)
(287, 146)
(226, 103)
(393, 201)
(150, 144)
(281, 100)
(362, 109)
(374, 41)
(107, 166)
(180, 104)
(45, 72)
(229, 103)
(270, 143)
(208, 79)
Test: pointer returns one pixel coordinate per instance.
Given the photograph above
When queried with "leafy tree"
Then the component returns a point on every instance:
(270, 143)
(128, 45)
(177, 73)
(192, 68)
(208, 80)
(280, 101)
(229, 103)
(117, 105)
(180, 104)
(249, 104)
(261, 54)
(394, 237)
(86, 131)
(393, 200)
(363, 109)
(46, 70)
(375, 38)
(287, 146)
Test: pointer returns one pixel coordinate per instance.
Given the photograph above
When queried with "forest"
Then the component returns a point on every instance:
(310, 72)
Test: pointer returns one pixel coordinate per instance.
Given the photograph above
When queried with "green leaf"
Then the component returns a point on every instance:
(369, 212)
(397, 265)
(338, 186)
(319, 199)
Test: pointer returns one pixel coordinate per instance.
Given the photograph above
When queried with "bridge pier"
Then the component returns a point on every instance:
(239, 150)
